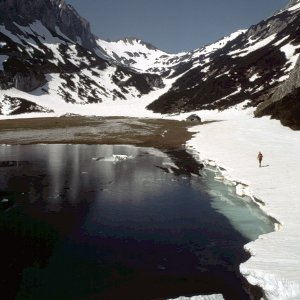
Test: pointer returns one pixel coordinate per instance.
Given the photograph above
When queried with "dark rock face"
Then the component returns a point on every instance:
(53, 14)
(283, 103)
(284, 89)
(29, 81)
(286, 109)
(145, 83)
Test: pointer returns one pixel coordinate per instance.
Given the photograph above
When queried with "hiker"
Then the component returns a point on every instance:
(259, 157)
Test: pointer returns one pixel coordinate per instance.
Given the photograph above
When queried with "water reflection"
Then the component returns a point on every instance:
(114, 221)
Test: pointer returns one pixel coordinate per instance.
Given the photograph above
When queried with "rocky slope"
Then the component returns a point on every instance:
(283, 103)
(257, 65)
(249, 67)
(48, 52)
(46, 57)
(143, 57)
(56, 15)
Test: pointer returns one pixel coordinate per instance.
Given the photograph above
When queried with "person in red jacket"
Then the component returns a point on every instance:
(259, 157)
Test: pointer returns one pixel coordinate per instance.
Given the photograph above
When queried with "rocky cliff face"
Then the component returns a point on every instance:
(283, 103)
(45, 53)
(56, 15)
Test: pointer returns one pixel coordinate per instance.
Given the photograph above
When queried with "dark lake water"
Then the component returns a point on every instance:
(118, 222)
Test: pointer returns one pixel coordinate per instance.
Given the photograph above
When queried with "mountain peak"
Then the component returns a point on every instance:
(135, 40)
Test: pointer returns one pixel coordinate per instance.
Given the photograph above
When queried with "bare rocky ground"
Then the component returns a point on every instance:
(163, 134)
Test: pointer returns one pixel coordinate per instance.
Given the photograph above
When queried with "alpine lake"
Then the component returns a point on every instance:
(87, 220)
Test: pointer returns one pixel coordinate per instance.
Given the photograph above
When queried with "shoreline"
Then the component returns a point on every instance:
(241, 188)
(255, 290)
(274, 259)
(166, 135)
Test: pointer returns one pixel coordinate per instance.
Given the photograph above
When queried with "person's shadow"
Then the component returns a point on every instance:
(264, 166)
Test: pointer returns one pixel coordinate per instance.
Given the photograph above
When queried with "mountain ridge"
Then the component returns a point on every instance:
(52, 13)
(248, 65)
(39, 62)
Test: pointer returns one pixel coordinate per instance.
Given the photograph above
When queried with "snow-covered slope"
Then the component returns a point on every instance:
(46, 67)
(56, 15)
(136, 54)
(250, 66)
(145, 58)
(44, 57)
(232, 142)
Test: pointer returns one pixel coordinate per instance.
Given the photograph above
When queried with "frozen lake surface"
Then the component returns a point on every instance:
(111, 222)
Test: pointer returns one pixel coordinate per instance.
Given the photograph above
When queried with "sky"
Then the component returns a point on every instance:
(173, 25)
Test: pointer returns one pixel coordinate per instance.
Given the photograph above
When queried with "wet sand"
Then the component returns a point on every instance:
(163, 134)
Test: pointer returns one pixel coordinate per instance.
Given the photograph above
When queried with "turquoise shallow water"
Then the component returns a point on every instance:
(105, 222)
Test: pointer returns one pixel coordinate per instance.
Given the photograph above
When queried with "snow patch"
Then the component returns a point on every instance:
(253, 47)
(232, 94)
(281, 41)
(289, 51)
(221, 43)
(295, 7)
(39, 30)
(254, 77)
(211, 297)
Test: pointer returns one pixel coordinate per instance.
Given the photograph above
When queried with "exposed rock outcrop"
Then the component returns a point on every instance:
(46, 41)
(193, 118)
(284, 102)
(54, 14)
(28, 82)
(15, 105)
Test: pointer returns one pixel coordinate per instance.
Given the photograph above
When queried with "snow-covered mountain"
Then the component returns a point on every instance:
(144, 57)
(253, 66)
(50, 59)
(134, 53)
(45, 64)
(56, 15)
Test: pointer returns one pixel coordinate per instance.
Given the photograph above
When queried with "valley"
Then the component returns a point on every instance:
(61, 86)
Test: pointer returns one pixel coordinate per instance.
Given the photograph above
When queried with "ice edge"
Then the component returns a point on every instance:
(255, 278)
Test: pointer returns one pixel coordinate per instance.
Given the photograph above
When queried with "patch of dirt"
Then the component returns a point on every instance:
(163, 134)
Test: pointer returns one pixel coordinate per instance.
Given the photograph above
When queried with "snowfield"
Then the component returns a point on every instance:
(232, 141)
